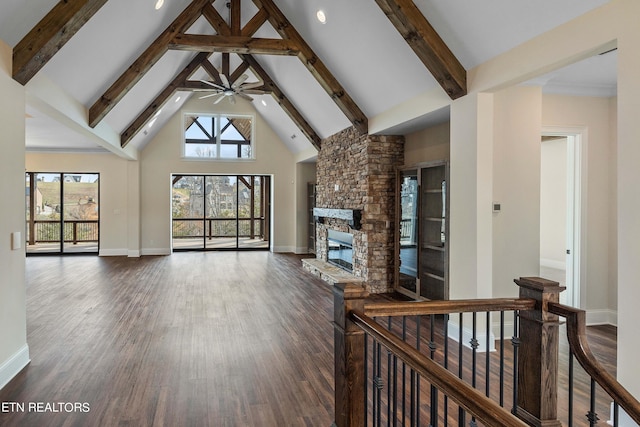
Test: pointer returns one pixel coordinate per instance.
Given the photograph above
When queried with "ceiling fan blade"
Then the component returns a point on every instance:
(220, 98)
(244, 96)
(239, 81)
(212, 84)
(209, 95)
(225, 81)
(256, 92)
(250, 85)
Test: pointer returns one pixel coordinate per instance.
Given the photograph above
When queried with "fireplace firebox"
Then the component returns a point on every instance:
(340, 249)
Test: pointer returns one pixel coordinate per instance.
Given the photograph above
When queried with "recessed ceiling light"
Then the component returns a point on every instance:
(158, 113)
(264, 102)
(153, 121)
(321, 16)
(178, 99)
(159, 4)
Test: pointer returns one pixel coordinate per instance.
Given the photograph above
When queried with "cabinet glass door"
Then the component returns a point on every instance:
(408, 230)
(423, 264)
(433, 221)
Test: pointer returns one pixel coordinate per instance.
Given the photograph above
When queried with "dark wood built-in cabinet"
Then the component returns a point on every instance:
(422, 237)
(311, 203)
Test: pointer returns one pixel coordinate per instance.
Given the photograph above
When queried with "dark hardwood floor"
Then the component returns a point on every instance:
(193, 339)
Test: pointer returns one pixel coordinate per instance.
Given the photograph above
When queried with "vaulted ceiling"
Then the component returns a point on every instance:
(114, 71)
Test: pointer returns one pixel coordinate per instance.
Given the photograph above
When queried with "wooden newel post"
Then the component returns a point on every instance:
(349, 341)
(538, 354)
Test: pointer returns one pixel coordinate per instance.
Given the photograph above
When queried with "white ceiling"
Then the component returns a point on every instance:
(358, 44)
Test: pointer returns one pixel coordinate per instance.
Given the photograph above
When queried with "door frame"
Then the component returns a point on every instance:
(576, 208)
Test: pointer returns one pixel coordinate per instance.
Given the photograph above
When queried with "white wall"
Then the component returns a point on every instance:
(595, 116)
(14, 352)
(553, 202)
(516, 186)
(117, 212)
(429, 144)
(162, 157)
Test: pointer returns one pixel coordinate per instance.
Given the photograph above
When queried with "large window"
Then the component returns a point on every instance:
(62, 212)
(215, 212)
(218, 137)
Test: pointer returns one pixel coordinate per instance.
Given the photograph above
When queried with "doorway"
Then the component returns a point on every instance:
(221, 212)
(560, 211)
(62, 213)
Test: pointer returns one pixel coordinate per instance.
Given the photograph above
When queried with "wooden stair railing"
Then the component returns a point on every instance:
(477, 404)
(577, 337)
(536, 350)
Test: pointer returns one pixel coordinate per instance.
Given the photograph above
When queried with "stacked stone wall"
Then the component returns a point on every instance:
(357, 171)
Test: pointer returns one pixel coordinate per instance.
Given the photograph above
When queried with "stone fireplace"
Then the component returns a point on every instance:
(356, 173)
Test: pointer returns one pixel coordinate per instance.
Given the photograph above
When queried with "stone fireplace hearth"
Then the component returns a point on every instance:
(357, 172)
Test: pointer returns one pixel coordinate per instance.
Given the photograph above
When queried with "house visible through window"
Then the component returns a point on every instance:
(218, 137)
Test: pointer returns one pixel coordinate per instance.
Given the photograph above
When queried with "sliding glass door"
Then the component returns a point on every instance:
(62, 213)
(220, 212)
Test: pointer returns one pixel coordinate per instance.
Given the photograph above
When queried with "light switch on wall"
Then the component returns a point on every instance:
(16, 240)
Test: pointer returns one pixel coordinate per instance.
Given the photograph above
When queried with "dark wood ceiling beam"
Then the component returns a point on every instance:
(198, 86)
(255, 23)
(226, 63)
(49, 35)
(217, 22)
(212, 71)
(234, 44)
(149, 112)
(238, 72)
(140, 66)
(427, 45)
(283, 101)
(235, 17)
(317, 68)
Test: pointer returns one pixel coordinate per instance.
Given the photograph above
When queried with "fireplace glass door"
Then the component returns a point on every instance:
(422, 237)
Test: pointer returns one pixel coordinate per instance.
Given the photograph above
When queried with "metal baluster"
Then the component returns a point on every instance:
(474, 356)
(374, 394)
(404, 372)
(378, 384)
(488, 354)
(366, 375)
(389, 356)
(502, 359)
(515, 341)
(570, 388)
(461, 412)
(592, 416)
(418, 333)
(615, 414)
(434, 390)
(445, 333)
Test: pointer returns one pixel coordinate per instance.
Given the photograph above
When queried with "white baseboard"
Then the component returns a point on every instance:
(284, 249)
(302, 250)
(602, 317)
(14, 365)
(113, 252)
(155, 251)
(624, 420)
(133, 253)
(453, 331)
(552, 263)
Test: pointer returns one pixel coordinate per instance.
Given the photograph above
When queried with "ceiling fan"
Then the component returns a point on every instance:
(230, 90)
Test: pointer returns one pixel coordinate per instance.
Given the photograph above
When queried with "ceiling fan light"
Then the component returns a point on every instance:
(321, 16)
(159, 4)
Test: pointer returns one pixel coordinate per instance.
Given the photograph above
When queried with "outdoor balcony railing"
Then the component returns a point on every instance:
(75, 231)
